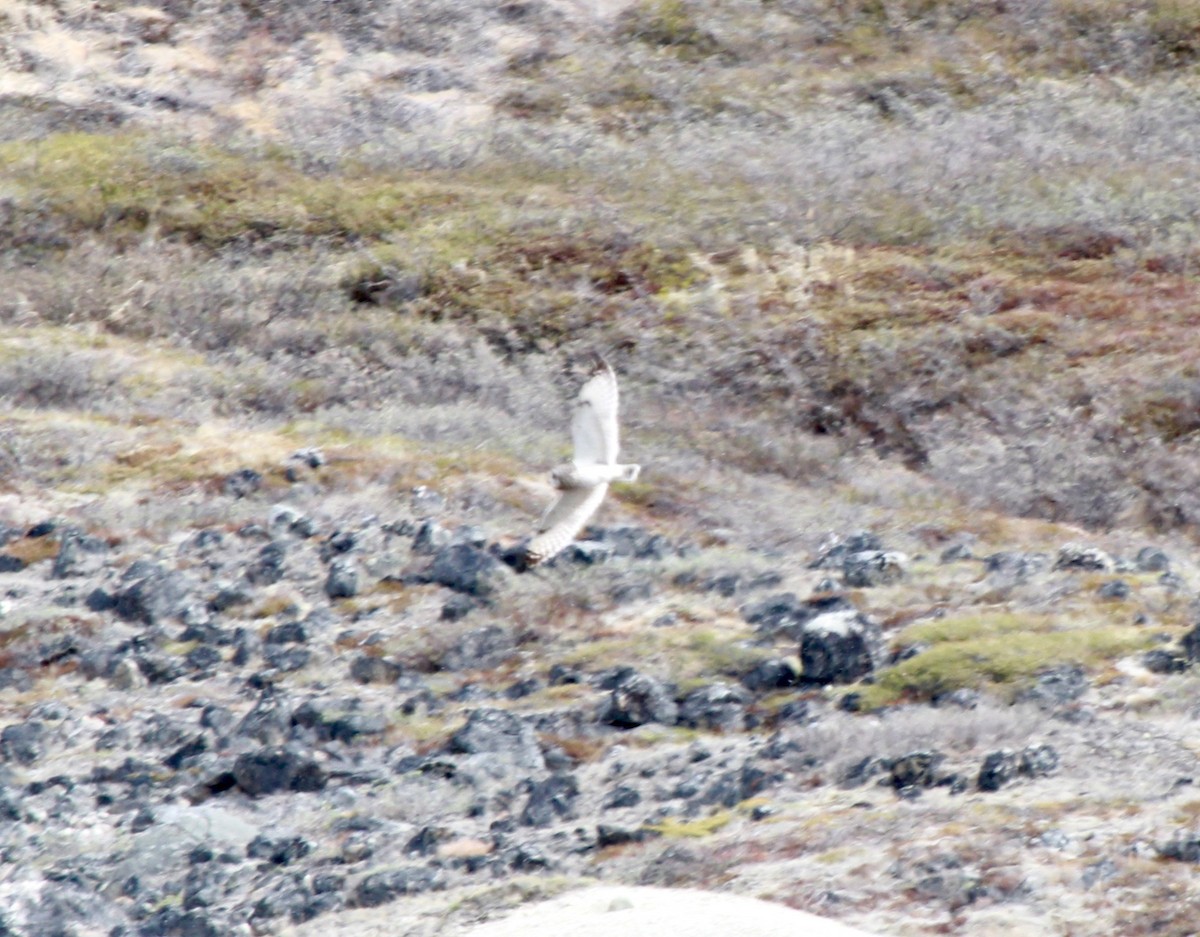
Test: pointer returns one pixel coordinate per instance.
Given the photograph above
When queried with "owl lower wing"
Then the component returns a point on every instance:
(564, 520)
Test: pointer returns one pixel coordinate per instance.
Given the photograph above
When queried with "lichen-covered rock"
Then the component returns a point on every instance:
(785, 615)
(466, 568)
(719, 706)
(273, 769)
(501, 735)
(150, 593)
(381, 887)
(550, 800)
(839, 647)
(637, 699)
(1077, 556)
(869, 568)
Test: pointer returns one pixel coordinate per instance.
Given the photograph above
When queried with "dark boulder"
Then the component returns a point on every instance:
(273, 769)
(637, 699)
(839, 647)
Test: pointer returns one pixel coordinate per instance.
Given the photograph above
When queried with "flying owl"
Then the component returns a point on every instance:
(583, 482)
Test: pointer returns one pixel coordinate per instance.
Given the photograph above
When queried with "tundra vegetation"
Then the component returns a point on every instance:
(912, 281)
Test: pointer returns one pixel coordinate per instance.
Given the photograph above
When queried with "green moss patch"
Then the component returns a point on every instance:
(1001, 651)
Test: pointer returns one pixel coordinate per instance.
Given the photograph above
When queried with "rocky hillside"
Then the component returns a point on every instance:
(898, 626)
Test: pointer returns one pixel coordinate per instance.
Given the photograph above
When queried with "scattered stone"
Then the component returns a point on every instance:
(1164, 660)
(499, 734)
(1015, 567)
(79, 555)
(774, 673)
(468, 569)
(342, 581)
(717, 707)
(430, 538)
(242, 483)
(915, 770)
(956, 554)
(1036, 761)
(370, 669)
(480, 649)
(283, 851)
(1190, 643)
(589, 552)
(383, 887)
(1152, 560)
(425, 502)
(1115, 590)
(267, 567)
(273, 769)
(1057, 687)
(1075, 556)
(458, 606)
(785, 615)
(609, 835)
(998, 769)
(341, 722)
(839, 647)
(621, 796)
(637, 699)
(150, 593)
(832, 554)
(873, 568)
(629, 541)
(733, 787)
(551, 800)
(23, 743)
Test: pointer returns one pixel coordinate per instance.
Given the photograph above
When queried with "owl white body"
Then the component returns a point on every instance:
(584, 480)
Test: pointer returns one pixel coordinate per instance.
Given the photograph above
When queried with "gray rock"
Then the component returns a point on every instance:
(242, 483)
(1152, 560)
(370, 669)
(717, 707)
(267, 568)
(383, 887)
(431, 537)
(497, 733)
(839, 647)
(873, 568)
(774, 673)
(785, 615)
(465, 568)
(629, 541)
(1076, 556)
(551, 800)
(342, 581)
(589, 552)
(278, 851)
(1114, 590)
(340, 721)
(833, 553)
(480, 649)
(1014, 567)
(79, 555)
(150, 593)
(1190, 643)
(273, 769)
(998, 769)
(457, 607)
(1183, 846)
(915, 770)
(23, 743)
(637, 699)
(286, 658)
(1164, 660)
